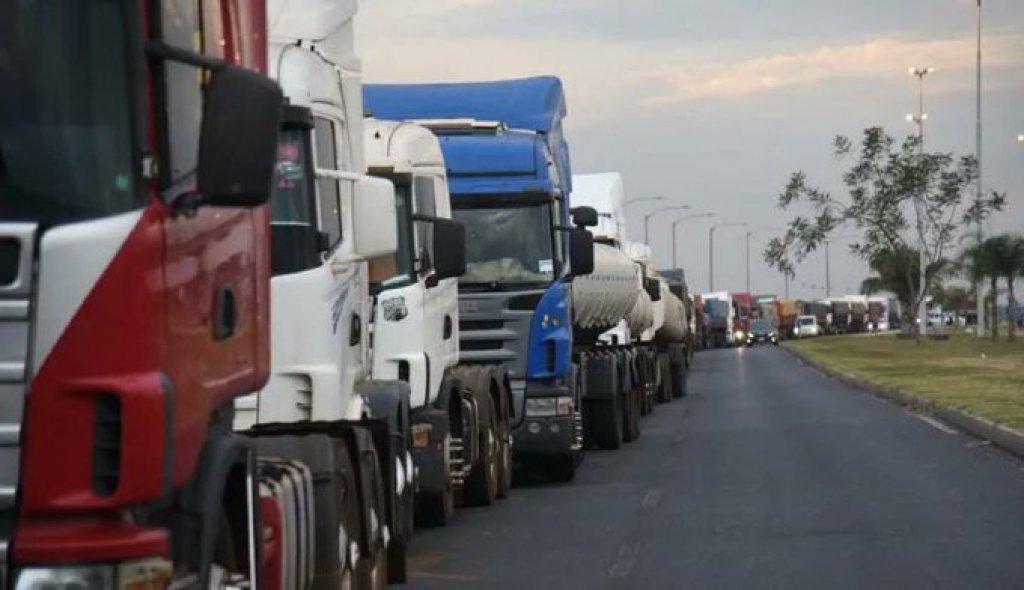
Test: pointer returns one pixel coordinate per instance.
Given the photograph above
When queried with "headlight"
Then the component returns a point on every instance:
(99, 577)
(796, 331)
(738, 335)
(144, 574)
(549, 406)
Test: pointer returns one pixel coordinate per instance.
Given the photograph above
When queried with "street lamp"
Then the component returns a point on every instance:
(711, 249)
(828, 272)
(920, 73)
(750, 233)
(676, 224)
(647, 219)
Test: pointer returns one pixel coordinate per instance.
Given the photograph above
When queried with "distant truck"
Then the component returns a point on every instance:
(841, 316)
(743, 309)
(720, 329)
(788, 311)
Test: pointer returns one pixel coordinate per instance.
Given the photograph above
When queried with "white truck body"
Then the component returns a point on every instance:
(410, 319)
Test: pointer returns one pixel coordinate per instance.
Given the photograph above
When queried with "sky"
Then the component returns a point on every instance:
(713, 104)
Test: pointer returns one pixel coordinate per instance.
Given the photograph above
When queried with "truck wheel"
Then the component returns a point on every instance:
(482, 485)
(436, 510)
(504, 460)
(372, 569)
(678, 381)
(607, 416)
(631, 417)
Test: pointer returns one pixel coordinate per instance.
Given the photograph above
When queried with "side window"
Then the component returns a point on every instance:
(180, 24)
(328, 204)
(423, 194)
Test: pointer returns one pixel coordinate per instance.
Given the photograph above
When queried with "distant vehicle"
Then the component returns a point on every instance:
(806, 326)
(762, 332)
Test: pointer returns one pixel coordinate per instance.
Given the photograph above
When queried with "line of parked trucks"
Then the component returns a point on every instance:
(725, 318)
(259, 319)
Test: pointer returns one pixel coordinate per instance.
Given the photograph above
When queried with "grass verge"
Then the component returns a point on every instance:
(979, 376)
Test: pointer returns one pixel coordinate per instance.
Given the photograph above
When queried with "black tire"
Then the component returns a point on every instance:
(631, 417)
(607, 417)
(437, 509)
(482, 485)
(679, 381)
(398, 572)
(504, 460)
(665, 382)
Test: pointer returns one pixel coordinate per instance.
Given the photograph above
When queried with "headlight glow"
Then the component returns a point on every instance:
(97, 577)
(738, 335)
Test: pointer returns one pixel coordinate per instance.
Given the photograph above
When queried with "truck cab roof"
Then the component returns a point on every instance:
(398, 147)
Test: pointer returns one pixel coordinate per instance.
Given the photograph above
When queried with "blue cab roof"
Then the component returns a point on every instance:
(507, 163)
(536, 103)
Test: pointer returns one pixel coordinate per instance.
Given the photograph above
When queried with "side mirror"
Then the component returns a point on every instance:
(581, 251)
(238, 138)
(584, 216)
(373, 218)
(449, 248)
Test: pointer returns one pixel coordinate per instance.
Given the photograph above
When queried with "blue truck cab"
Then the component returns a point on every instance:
(509, 177)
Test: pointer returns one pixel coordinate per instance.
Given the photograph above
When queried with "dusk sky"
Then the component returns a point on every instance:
(714, 103)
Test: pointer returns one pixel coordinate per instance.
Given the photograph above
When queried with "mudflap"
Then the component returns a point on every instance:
(602, 403)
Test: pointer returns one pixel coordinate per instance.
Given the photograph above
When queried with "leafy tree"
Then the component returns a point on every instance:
(897, 195)
(998, 257)
(891, 270)
(955, 298)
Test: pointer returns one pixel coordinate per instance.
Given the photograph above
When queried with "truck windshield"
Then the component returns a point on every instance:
(508, 246)
(65, 116)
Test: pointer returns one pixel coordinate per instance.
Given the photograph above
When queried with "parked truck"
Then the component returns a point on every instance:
(788, 311)
(510, 182)
(461, 414)
(135, 264)
(743, 310)
(720, 328)
(335, 476)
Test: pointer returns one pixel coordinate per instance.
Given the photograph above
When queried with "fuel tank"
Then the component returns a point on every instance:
(606, 296)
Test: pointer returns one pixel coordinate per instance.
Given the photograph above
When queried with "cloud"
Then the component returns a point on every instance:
(877, 59)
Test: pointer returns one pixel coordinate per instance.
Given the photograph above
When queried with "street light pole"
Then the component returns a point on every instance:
(980, 230)
(647, 219)
(922, 263)
(676, 224)
(711, 249)
(750, 233)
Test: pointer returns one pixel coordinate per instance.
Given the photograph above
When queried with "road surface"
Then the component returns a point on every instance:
(769, 475)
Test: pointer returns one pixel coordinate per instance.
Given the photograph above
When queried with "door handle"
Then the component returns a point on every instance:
(225, 313)
(447, 327)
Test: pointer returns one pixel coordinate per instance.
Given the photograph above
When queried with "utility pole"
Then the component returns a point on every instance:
(979, 189)
(675, 224)
(920, 118)
(647, 219)
(711, 249)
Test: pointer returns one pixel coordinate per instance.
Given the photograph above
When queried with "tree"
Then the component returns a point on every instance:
(897, 195)
(998, 257)
(891, 269)
(955, 298)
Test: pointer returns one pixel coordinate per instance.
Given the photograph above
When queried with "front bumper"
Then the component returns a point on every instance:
(546, 434)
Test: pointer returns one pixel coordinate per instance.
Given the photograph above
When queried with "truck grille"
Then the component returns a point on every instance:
(17, 242)
(493, 331)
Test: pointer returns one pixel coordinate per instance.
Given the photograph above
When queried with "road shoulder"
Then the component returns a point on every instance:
(1009, 439)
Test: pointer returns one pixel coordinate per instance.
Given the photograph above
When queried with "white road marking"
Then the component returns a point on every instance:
(625, 561)
(935, 424)
(652, 498)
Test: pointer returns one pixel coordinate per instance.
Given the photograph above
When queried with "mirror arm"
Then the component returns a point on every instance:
(427, 218)
(158, 50)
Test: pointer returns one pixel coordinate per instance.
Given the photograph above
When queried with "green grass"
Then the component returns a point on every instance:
(982, 377)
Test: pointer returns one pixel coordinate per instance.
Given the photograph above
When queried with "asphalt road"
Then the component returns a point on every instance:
(769, 475)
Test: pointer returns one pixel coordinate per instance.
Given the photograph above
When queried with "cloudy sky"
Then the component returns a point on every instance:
(713, 103)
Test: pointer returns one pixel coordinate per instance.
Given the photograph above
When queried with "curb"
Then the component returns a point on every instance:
(1004, 437)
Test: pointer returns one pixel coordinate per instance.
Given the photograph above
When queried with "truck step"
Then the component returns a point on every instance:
(457, 461)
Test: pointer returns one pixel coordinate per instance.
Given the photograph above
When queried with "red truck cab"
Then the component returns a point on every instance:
(134, 278)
